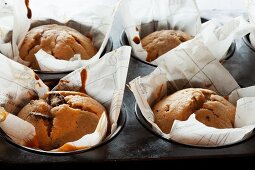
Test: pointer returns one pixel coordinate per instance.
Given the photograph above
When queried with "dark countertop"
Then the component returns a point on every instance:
(135, 143)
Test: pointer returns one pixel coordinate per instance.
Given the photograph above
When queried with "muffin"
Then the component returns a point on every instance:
(160, 42)
(209, 108)
(61, 117)
(60, 41)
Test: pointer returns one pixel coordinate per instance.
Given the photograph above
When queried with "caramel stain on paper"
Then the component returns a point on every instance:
(226, 97)
(136, 40)
(84, 76)
(33, 143)
(29, 11)
(39, 84)
(37, 77)
(68, 148)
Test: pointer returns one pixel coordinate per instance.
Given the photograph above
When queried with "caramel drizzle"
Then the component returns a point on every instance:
(37, 77)
(136, 40)
(29, 11)
(84, 77)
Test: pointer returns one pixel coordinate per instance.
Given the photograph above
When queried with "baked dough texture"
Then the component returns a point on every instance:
(61, 117)
(209, 108)
(160, 42)
(60, 41)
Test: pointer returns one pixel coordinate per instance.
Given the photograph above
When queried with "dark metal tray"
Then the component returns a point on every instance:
(135, 144)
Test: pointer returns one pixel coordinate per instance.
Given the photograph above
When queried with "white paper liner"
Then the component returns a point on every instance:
(219, 38)
(193, 65)
(90, 18)
(18, 130)
(105, 83)
(251, 14)
(6, 25)
(143, 17)
(19, 85)
(6, 19)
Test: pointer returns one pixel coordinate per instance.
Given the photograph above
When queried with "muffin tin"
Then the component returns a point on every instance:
(136, 143)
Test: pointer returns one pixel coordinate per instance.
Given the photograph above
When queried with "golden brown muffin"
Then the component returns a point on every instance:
(210, 109)
(61, 117)
(71, 124)
(217, 112)
(60, 41)
(160, 42)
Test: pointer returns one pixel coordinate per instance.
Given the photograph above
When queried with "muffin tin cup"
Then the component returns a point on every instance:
(120, 124)
(247, 41)
(51, 78)
(124, 41)
(148, 127)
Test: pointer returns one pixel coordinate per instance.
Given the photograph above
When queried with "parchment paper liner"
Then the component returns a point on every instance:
(105, 83)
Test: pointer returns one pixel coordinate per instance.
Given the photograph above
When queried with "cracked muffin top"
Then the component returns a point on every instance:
(61, 117)
(160, 42)
(209, 108)
(60, 41)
